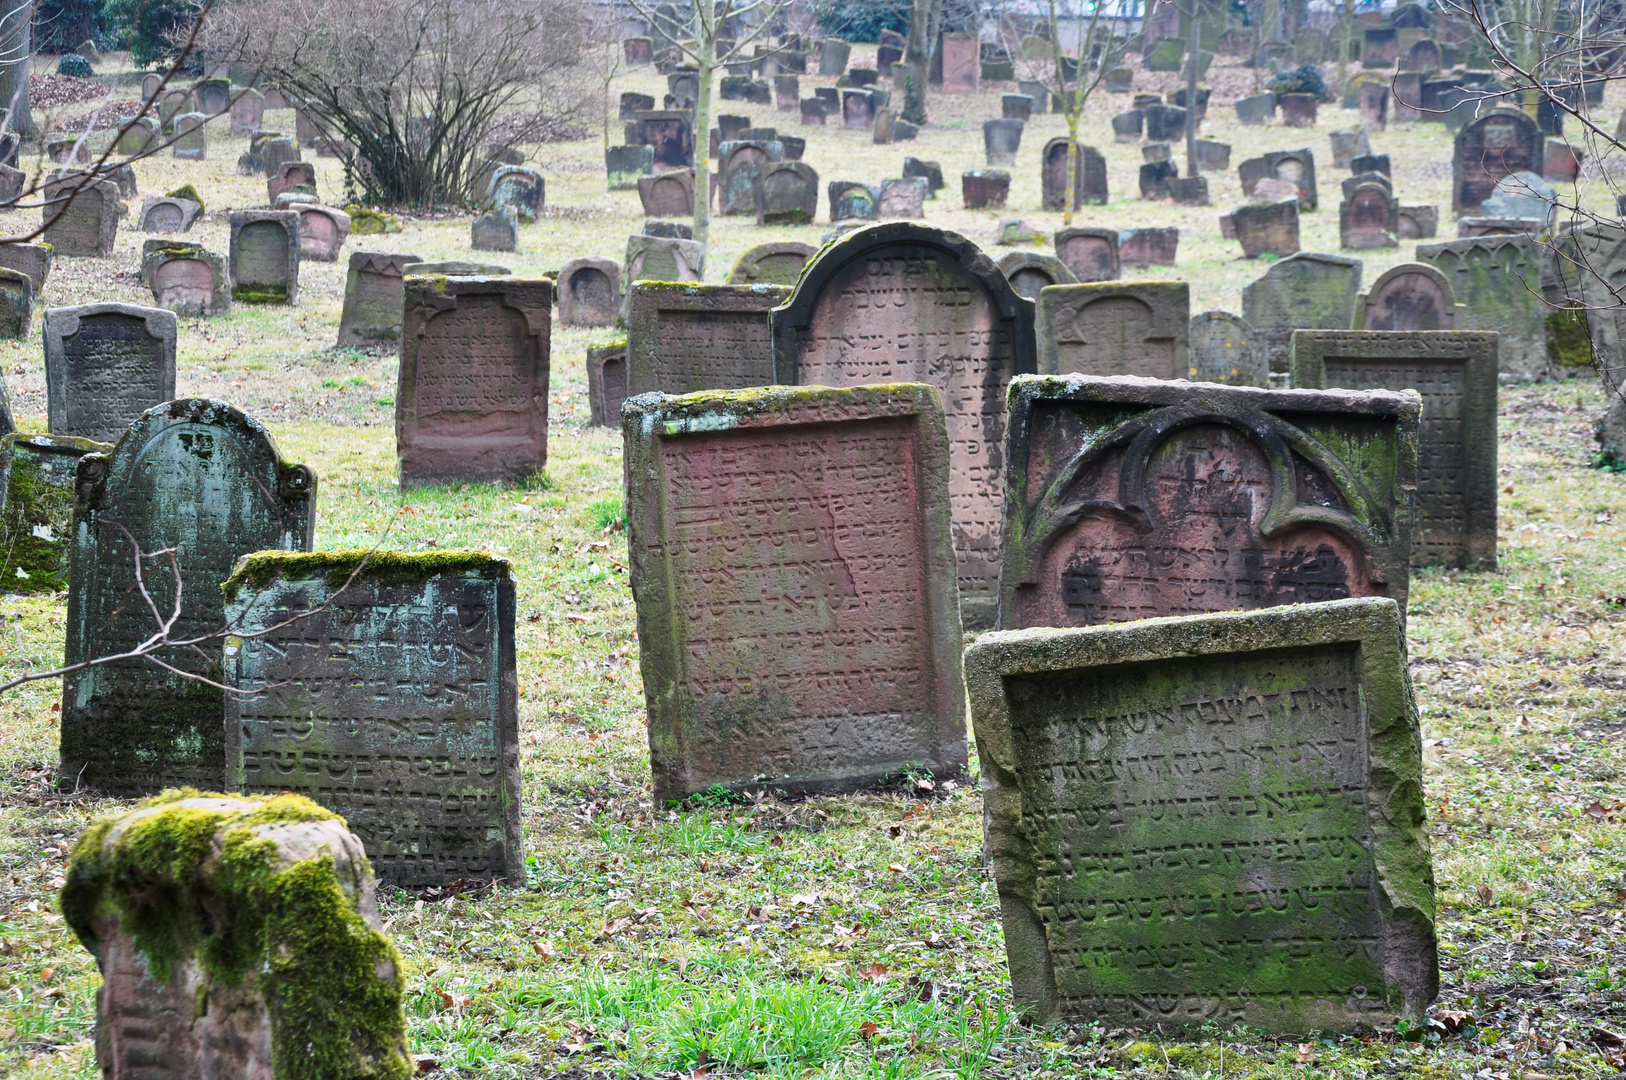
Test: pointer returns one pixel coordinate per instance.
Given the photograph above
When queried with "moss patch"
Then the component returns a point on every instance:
(34, 528)
(384, 568)
(187, 191)
(1568, 341)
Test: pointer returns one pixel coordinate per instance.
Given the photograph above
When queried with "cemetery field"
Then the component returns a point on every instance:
(858, 936)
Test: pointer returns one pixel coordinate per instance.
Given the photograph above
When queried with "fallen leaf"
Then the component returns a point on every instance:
(46, 974)
(874, 973)
(896, 868)
(1604, 1037)
(868, 1027)
(426, 1063)
(1485, 896)
(1306, 1050)
(1453, 1019)
(543, 949)
(446, 1000)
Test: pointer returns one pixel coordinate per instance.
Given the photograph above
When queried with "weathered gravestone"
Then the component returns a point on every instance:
(1115, 328)
(627, 165)
(191, 141)
(1090, 179)
(392, 700)
(213, 96)
(1155, 177)
(186, 279)
(903, 197)
(851, 201)
(1165, 122)
(901, 302)
(857, 109)
(471, 402)
(231, 995)
(686, 338)
(1148, 247)
(787, 92)
(1454, 520)
(1298, 110)
(962, 63)
(1223, 351)
(589, 291)
(80, 215)
(1307, 291)
(517, 188)
(265, 256)
(1165, 54)
(1091, 254)
(105, 365)
(1502, 142)
(277, 152)
(1132, 498)
(1257, 110)
(201, 478)
(606, 382)
(1029, 271)
(16, 303)
(36, 508)
(322, 232)
(138, 135)
(31, 259)
(667, 194)
(771, 264)
(1497, 279)
(163, 214)
(786, 193)
(1267, 228)
(671, 137)
(374, 292)
(1411, 296)
(1210, 820)
(247, 111)
(1417, 221)
(833, 54)
(985, 189)
(778, 647)
(1297, 167)
(454, 268)
(1001, 139)
(1369, 218)
(495, 230)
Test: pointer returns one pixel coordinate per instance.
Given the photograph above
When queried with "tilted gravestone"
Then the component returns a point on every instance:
(1411, 296)
(903, 197)
(1267, 228)
(80, 215)
(1454, 521)
(392, 702)
(16, 303)
(265, 256)
(901, 302)
(471, 403)
(1091, 254)
(1307, 291)
(786, 193)
(1497, 282)
(606, 381)
(165, 214)
(275, 153)
(667, 194)
(188, 280)
(199, 477)
(31, 259)
(626, 165)
(1500, 143)
(1127, 126)
(229, 996)
(1223, 350)
(36, 508)
(589, 291)
(1213, 819)
(1115, 328)
(1091, 175)
(1028, 272)
(105, 365)
(771, 264)
(852, 202)
(1133, 498)
(778, 647)
(322, 232)
(686, 338)
(374, 293)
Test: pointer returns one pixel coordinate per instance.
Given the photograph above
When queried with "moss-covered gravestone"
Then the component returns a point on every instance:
(199, 478)
(1223, 350)
(1131, 498)
(265, 256)
(105, 365)
(236, 938)
(374, 292)
(606, 381)
(1215, 819)
(1306, 291)
(1497, 280)
(1454, 523)
(381, 685)
(905, 302)
(1116, 328)
(36, 508)
(793, 569)
(682, 338)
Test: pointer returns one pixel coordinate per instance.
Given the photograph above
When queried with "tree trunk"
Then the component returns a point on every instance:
(917, 54)
(707, 63)
(1346, 21)
(1071, 197)
(1195, 50)
(16, 30)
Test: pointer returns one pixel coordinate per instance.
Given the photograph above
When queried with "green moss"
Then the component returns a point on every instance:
(384, 568)
(187, 191)
(260, 294)
(365, 222)
(617, 342)
(201, 881)
(31, 562)
(1568, 341)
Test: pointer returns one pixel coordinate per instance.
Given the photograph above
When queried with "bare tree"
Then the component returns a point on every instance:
(925, 21)
(1084, 44)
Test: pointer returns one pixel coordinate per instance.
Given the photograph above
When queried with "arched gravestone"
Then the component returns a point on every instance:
(81, 215)
(1305, 291)
(106, 365)
(1029, 271)
(1135, 498)
(1424, 56)
(589, 291)
(1223, 351)
(471, 403)
(247, 111)
(1497, 282)
(668, 194)
(771, 264)
(1091, 254)
(265, 256)
(374, 292)
(1411, 296)
(202, 478)
(851, 201)
(287, 176)
(606, 382)
(213, 96)
(191, 142)
(742, 164)
(901, 302)
(786, 193)
(1498, 144)
(188, 281)
(1092, 175)
(1369, 218)
(168, 215)
(518, 188)
(322, 232)
(1115, 328)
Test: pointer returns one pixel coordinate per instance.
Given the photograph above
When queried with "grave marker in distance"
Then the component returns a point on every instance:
(105, 365)
(374, 292)
(1115, 328)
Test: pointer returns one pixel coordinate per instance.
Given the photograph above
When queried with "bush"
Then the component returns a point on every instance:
(75, 65)
(61, 26)
(151, 26)
(1305, 79)
(861, 20)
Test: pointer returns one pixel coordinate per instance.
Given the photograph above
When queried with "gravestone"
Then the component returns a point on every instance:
(374, 292)
(173, 103)
(1213, 156)
(151, 83)
(16, 303)
(638, 51)
(1038, 92)
(1411, 296)
(589, 292)
(1406, 98)
(606, 382)
(1374, 106)
(626, 166)
(1560, 161)
(322, 232)
(1165, 54)
(670, 136)
(517, 188)
(961, 56)
(80, 215)
(1240, 497)
(1015, 106)
(1257, 110)
(1347, 145)
(1091, 185)
(885, 127)
(455, 268)
(302, 914)
(213, 96)
(1156, 152)
(770, 671)
(247, 112)
(137, 136)
(852, 202)
(1298, 168)
(163, 214)
(1523, 195)
(742, 164)
(105, 365)
(1091, 254)
(787, 92)
(1423, 56)
(290, 176)
(472, 399)
(495, 230)
(631, 105)
(1120, 80)
(1370, 163)
(188, 280)
(31, 259)
(1500, 143)
(1454, 519)
(265, 256)
(771, 264)
(1188, 190)
(1155, 177)
(683, 85)
(36, 508)
(1127, 126)
(1115, 328)
(1497, 279)
(191, 141)
(833, 54)
(814, 111)
(1223, 351)
(795, 145)
(930, 171)
(1148, 247)
(1380, 48)
(1298, 110)
(1000, 141)
(686, 338)
(199, 477)
(1369, 218)
(1029, 271)
(667, 194)
(901, 302)
(984, 189)
(1138, 888)
(857, 109)
(1165, 122)
(902, 198)
(276, 152)
(1307, 291)
(392, 702)
(12, 182)
(658, 258)
(1417, 221)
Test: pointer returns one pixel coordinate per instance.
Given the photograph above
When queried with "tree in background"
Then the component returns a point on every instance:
(925, 24)
(156, 29)
(1083, 45)
(16, 23)
(861, 20)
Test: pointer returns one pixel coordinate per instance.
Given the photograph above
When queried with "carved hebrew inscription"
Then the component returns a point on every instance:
(712, 350)
(115, 370)
(473, 361)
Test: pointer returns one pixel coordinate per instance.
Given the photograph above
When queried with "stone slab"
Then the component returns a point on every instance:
(264, 256)
(37, 476)
(1496, 280)
(606, 382)
(1307, 291)
(683, 338)
(1115, 328)
(105, 365)
(1223, 350)
(589, 291)
(374, 293)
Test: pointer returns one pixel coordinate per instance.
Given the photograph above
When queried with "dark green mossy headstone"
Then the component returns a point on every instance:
(36, 508)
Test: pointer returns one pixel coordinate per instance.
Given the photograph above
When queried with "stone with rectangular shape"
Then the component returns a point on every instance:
(686, 338)
(374, 292)
(1454, 522)
(1307, 291)
(667, 194)
(793, 569)
(202, 478)
(105, 365)
(31, 259)
(36, 508)
(265, 256)
(187, 279)
(962, 63)
(1115, 328)
(1497, 282)
(1091, 254)
(625, 166)
(984, 189)
(589, 291)
(1090, 178)
(80, 215)
(1236, 795)
(606, 382)
(392, 701)
(471, 402)
(191, 140)
(1001, 139)
(247, 111)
